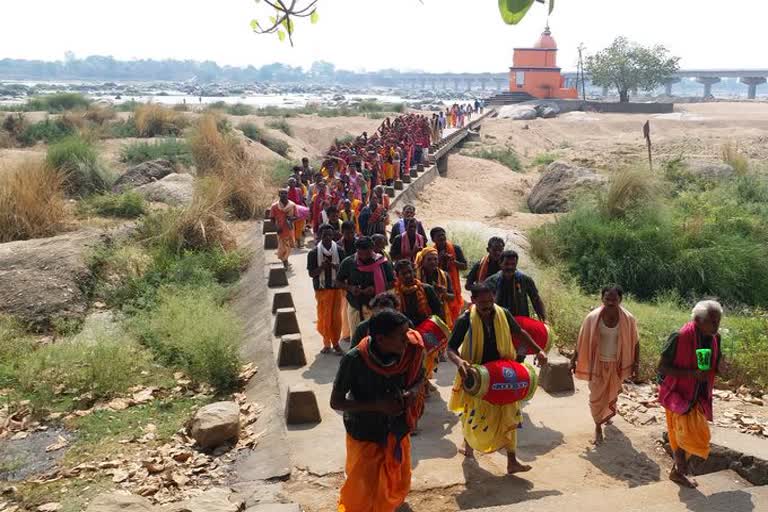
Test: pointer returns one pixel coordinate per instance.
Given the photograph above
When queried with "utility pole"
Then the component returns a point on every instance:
(580, 72)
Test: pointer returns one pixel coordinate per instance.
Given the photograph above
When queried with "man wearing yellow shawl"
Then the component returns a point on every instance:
(480, 335)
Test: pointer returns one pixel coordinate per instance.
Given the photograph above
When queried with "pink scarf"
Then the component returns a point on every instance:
(405, 245)
(676, 393)
(379, 280)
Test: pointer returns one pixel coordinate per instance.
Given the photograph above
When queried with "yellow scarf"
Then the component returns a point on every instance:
(502, 420)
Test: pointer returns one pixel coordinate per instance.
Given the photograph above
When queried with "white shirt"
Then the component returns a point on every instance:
(609, 342)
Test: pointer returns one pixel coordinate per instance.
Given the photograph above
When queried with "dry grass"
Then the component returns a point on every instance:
(99, 114)
(157, 121)
(628, 188)
(221, 155)
(735, 158)
(32, 202)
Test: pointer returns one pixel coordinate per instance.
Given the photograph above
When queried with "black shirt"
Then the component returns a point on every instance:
(312, 264)
(493, 267)
(411, 306)
(396, 231)
(395, 248)
(348, 273)
(513, 295)
(357, 380)
(490, 350)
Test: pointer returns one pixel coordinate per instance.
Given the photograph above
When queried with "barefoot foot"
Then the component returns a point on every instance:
(516, 467)
(682, 480)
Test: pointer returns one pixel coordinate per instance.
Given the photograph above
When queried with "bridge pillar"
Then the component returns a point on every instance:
(668, 85)
(708, 82)
(442, 165)
(752, 82)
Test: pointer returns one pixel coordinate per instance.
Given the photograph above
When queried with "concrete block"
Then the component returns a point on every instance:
(414, 173)
(301, 406)
(390, 191)
(286, 322)
(270, 241)
(398, 185)
(282, 300)
(556, 376)
(275, 507)
(291, 351)
(406, 178)
(277, 277)
(267, 212)
(420, 167)
(269, 227)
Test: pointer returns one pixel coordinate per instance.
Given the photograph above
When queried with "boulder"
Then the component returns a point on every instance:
(212, 500)
(215, 424)
(518, 112)
(709, 170)
(559, 184)
(42, 280)
(119, 501)
(547, 110)
(145, 172)
(174, 190)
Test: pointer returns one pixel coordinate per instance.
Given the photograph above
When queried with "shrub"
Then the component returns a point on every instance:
(123, 129)
(473, 243)
(15, 124)
(49, 131)
(58, 102)
(251, 130)
(505, 156)
(153, 120)
(248, 196)
(193, 330)
(173, 150)
(32, 202)
(128, 205)
(99, 114)
(279, 146)
(128, 106)
(103, 363)
(76, 158)
(544, 159)
(239, 109)
(627, 189)
(733, 157)
(281, 125)
(211, 149)
(346, 139)
(281, 171)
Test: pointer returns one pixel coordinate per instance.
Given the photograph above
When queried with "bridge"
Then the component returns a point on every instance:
(752, 78)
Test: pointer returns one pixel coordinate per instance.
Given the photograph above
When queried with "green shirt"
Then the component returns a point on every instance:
(349, 274)
(358, 382)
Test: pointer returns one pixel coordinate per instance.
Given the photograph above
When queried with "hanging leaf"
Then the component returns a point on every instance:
(254, 24)
(314, 18)
(272, 20)
(281, 35)
(512, 11)
(287, 23)
(551, 6)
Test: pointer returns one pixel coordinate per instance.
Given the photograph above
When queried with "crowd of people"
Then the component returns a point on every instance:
(393, 295)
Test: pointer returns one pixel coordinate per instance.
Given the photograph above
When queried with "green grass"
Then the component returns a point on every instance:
(48, 131)
(281, 125)
(251, 130)
(193, 330)
(279, 146)
(174, 150)
(506, 157)
(122, 129)
(58, 102)
(281, 171)
(77, 158)
(256, 134)
(128, 205)
(237, 109)
(544, 159)
(370, 108)
(473, 243)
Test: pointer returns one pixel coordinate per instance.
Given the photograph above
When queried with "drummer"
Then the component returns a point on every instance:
(513, 289)
(488, 339)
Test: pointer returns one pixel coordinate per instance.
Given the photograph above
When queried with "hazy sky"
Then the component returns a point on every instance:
(437, 36)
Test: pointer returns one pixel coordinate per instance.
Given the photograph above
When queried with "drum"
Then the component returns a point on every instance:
(501, 382)
(539, 331)
(435, 333)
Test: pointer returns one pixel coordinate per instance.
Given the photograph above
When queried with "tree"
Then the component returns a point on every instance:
(627, 66)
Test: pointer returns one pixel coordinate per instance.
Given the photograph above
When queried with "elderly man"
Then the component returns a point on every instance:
(688, 365)
(607, 353)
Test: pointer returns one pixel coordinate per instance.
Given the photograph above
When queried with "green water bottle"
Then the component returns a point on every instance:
(704, 358)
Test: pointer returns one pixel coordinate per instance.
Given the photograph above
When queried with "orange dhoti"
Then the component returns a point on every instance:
(285, 245)
(378, 476)
(329, 315)
(345, 331)
(298, 230)
(604, 389)
(689, 432)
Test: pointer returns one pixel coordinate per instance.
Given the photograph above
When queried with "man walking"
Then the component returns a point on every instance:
(283, 214)
(489, 265)
(323, 264)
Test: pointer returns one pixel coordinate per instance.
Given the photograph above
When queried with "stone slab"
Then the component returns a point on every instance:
(270, 241)
(269, 226)
(413, 173)
(286, 322)
(282, 300)
(398, 185)
(406, 179)
(267, 213)
(277, 277)
(291, 352)
(556, 376)
(420, 167)
(390, 191)
(301, 406)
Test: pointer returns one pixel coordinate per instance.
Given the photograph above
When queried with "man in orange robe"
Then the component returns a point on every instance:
(378, 388)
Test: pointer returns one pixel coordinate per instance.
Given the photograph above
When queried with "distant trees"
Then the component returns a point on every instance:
(627, 66)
